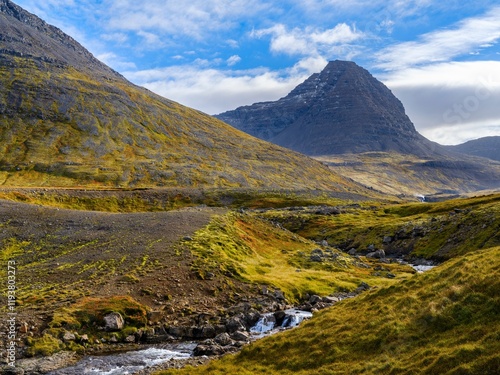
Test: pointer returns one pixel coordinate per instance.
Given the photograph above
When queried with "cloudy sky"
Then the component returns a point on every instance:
(440, 57)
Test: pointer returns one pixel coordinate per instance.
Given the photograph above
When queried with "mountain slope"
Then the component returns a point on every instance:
(486, 147)
(342, 109)
(68, 119)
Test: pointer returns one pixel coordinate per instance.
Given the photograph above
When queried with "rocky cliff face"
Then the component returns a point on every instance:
(343, 109)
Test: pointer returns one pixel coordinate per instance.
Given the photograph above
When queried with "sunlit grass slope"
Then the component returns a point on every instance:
(446, 321)
(259, 252)
(60, 126)
(432, 230)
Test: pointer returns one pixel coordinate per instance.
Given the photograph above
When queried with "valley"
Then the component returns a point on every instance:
(134, 229)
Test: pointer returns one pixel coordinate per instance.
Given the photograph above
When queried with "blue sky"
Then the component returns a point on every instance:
(441, 58)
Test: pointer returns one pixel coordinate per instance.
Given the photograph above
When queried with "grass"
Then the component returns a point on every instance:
(256, 251)
(439, 230)
(445, 321)
(144, 200)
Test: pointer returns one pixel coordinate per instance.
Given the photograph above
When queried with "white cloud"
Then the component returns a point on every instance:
(450, 102)
(194, 19)
(233, 60)
(111, 59)
(215, 91)
(443, 45)
(310, 41)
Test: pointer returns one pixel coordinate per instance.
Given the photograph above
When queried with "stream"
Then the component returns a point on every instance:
(130, 362)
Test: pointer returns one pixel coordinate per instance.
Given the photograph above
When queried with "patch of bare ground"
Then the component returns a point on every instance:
(64, 255)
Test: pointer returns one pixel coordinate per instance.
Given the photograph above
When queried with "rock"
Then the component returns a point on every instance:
(252, 317)
(208, 350)
(224, 339)
(130, 339)
(278, 294)
(324, 243)
(352, 251)
(330, 299)
(240, 336)
(68, 336)
(235, 324)
(391, 275)
(23, 328)
(371, 247)
(113, 339)
(314, 299)
(315, 258)
(113, 322)
(187, 238)
(387, 239)
(84, 339)
(154, 316)
(279, 316)
(204, 332)
(9, 370)
(379, 254)
(364, 286)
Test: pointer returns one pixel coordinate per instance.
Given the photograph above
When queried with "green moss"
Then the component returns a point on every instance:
(89, 313)
(45, 345)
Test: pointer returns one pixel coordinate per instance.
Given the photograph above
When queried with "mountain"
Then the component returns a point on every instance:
(342, 109)
(487, 147)
(350, 121)
(68, 119)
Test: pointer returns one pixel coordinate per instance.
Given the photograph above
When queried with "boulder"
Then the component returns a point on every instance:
(329, 299)
(240, 336)
(130, 339)
(113, 322)
(235, 324)
(208, 350)
(314, 299)
(68, 336)
(223, 339)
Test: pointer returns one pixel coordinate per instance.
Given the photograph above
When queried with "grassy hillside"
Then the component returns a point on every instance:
(432, 230)
(259, 252)
(64, 127)
(445, 321)
(405, 174)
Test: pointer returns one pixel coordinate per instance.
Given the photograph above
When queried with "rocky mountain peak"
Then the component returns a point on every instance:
(342, 109)
(25, 34)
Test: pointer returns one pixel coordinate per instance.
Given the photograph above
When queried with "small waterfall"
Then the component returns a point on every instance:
(267, 323)
(295, 317)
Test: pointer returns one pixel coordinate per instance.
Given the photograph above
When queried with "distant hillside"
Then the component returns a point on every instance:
(68, 119)
(342, 109)
(487, 147)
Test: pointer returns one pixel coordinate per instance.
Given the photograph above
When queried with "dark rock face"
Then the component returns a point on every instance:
(487, 147)
(343, 109)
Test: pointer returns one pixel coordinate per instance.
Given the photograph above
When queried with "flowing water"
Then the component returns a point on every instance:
(127, 362)
(267, 323)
